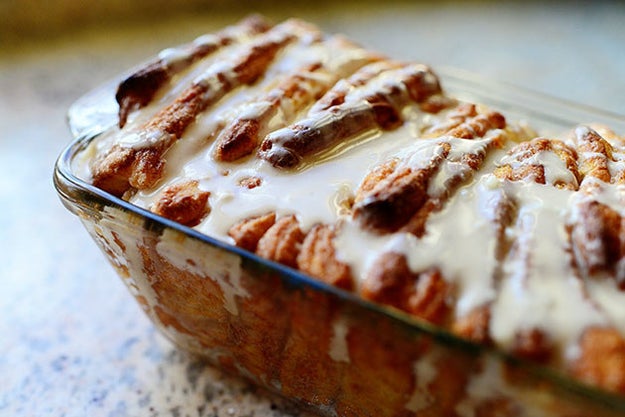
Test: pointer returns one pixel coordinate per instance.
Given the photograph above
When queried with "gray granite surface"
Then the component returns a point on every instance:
(72, 340)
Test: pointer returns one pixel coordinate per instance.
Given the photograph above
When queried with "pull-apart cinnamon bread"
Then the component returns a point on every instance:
(360, 171)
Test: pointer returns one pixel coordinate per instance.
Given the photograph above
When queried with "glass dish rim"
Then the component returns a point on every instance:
(73, 192)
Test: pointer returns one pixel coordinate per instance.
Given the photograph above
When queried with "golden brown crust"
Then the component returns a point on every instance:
(474, 326)
(360, 111)
(466, 166)
(171, 122)
(458, 115)
(596, 230)
(395, 196)
(594, 154)
(598, 240)
(184, 203)
(123, 168)
(391, 282)
(282, 242)
(292, 95)
(466, 122)
(147, 167)
(138, 89)
(248, 232)
(526, 167)
(388, 207)
(436, 103)
(388, 280)
(600, 155)
(285, 148)
(317, 258)
(262, 52)
(391, 194)
(336, 95)
(432, 298)
(374, 177)
(168, 125)
(602, 359)
(479, 125)
(111, 173)
(237, 140)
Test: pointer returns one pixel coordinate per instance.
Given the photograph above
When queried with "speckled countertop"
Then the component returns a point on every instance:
(72, 340)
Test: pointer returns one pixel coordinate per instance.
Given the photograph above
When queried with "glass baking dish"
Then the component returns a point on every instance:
(318, 345)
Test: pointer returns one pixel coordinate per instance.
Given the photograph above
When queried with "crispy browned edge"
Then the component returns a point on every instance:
(394, 195)
(139, 88)
(184, 203)
(296, 91)
(349, 114)
(123, 168)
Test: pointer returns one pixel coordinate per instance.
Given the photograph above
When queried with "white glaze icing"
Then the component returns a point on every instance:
(339, 350)
(540, 290)
(425, 372)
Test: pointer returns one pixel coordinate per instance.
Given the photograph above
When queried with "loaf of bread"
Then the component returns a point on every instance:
(362, 172)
